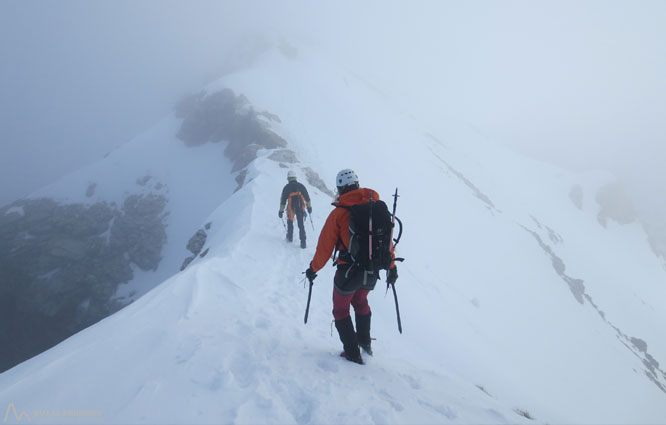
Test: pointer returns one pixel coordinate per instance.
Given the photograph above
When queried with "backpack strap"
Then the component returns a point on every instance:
(339, 242)
(296, 199)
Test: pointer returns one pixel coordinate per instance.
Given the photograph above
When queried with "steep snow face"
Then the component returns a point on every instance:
(516, 303)
(193, 180)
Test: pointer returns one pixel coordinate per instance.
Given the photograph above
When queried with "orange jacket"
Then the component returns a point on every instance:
(336, 227)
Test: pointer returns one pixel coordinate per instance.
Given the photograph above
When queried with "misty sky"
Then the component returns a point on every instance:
(579, 83)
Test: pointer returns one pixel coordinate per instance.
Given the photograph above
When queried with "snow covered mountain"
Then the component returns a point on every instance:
(522, 298)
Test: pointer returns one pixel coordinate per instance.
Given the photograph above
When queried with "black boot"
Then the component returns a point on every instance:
(345, 328)
(303, 245)
(363, 332)
(290, 231)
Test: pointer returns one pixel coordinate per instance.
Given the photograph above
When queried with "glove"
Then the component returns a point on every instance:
(310, 274)
(309, 210)
(280, 214)
(392, 275)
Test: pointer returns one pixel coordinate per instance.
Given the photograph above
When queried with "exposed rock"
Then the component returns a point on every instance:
(90, 191)
(614, 204)
(240, 179)
(656, 234)
(197, 242)
(223, 116)
(477, 192)
(637, 346)
(576, 286)
(140, 229)
(143, 180)
(187, 262)
(284, 155)
(435, 139)
(552, 234)
(271, 117)
(68, 249)
(576, 196)
(61, 264)
(207, 118)
(313, 178)
(243, 156)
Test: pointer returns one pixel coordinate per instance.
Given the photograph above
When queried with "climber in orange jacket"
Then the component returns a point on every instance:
(350, 288)
(296, 199)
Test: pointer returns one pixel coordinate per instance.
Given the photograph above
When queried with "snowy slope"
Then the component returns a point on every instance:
(487, 232)
(224, 342)
(193, 180)
(514, 302)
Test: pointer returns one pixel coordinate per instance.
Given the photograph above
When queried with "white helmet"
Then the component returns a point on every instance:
(291, 175)
(346, 177)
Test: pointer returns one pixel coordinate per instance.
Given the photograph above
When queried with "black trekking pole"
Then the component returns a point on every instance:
(307, 308)
(283, 225)
(310, 215)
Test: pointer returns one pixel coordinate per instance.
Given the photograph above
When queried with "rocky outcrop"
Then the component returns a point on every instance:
(226, 117)
(313, 178)
(90, 191)
(240, 179)
(576, 196)
(284, 155)
(223, 116)
(614, 204)
(139, 230)
(61, 264)
(637, 346)
(656, 233)
(195, 245)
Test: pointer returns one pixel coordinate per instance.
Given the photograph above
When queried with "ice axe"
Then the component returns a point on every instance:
(397, 309)
(307, 308)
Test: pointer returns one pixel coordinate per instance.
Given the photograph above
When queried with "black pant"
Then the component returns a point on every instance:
(301, 227)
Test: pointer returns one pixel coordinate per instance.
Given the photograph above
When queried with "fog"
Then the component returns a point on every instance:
(579, 84)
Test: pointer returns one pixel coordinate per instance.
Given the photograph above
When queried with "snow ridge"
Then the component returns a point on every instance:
(491, 335)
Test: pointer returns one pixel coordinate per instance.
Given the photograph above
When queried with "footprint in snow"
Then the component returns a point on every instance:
(328, 365)
(413, 382)
(442, 410)
(391, 401)
(217, 381)
(378, 416)
(187, 350)
(243, 370)
(262, 323)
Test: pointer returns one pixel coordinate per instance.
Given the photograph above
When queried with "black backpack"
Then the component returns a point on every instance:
(370, 225)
